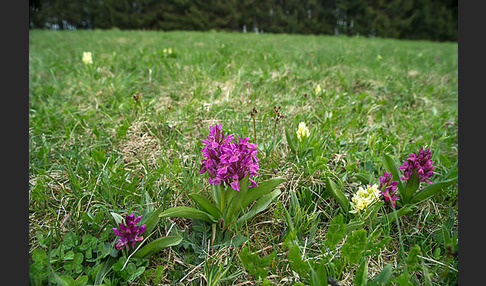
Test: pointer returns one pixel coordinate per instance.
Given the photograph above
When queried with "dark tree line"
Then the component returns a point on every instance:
(403, 19)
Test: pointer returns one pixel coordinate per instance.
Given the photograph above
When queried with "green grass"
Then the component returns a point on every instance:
(94, 150)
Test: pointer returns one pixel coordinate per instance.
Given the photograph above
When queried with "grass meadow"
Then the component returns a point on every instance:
(97, 153)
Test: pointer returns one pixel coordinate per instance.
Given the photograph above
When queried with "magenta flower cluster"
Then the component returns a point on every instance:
(421, 162)
(388, 188)
(129, 232)
(226, 161)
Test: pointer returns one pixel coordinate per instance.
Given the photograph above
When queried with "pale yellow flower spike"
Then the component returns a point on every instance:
(318, 89)
(364, 197)
(87, 58)
(303, 131)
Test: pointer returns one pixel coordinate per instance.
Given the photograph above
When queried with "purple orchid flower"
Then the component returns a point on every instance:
(421, 162)
(226, 161)
(129, 232)
(388, 188)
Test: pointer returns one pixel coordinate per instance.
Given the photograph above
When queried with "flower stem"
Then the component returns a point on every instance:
(402, 252)
(223, 200)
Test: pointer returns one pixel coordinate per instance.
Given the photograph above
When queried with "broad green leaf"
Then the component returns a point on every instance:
(354, 246)
(120, 264)
(118, 218)
(337, 194)
(188, 212)
(361, 276)
(206, 205)
(364, 178)
(391, 167)
(157, 245)
(335, 232)
(235, 199)
(258, 207)
(152, 220)
(216, 193)
(410, 188)
(382, 278)
(262, 189)
(431, 190)
(290, 140)
(70, 240)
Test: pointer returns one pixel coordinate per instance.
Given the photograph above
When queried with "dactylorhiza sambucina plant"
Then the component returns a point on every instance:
(420, 163)
(364, 197)
(130, 238)
(87, 59)
(128, 232)
(299, 141)
(303, 131)
(388, 188)
(228, 162)
(417, 168)
(231, 166)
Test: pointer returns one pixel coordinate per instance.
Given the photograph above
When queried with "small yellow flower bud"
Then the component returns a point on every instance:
(87, 58)
(303, 131)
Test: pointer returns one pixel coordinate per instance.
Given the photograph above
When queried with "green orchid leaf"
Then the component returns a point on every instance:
(337, 194)
(216, 193)
(260, 205)
(152, 220)
(262, 189)
(391, 166)
(206, 205)
(410, 188)
(431, 190)
(188, 212)
(363, 177)
(235, 199)
(118, 218)
(290, 140)
(157, 245)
